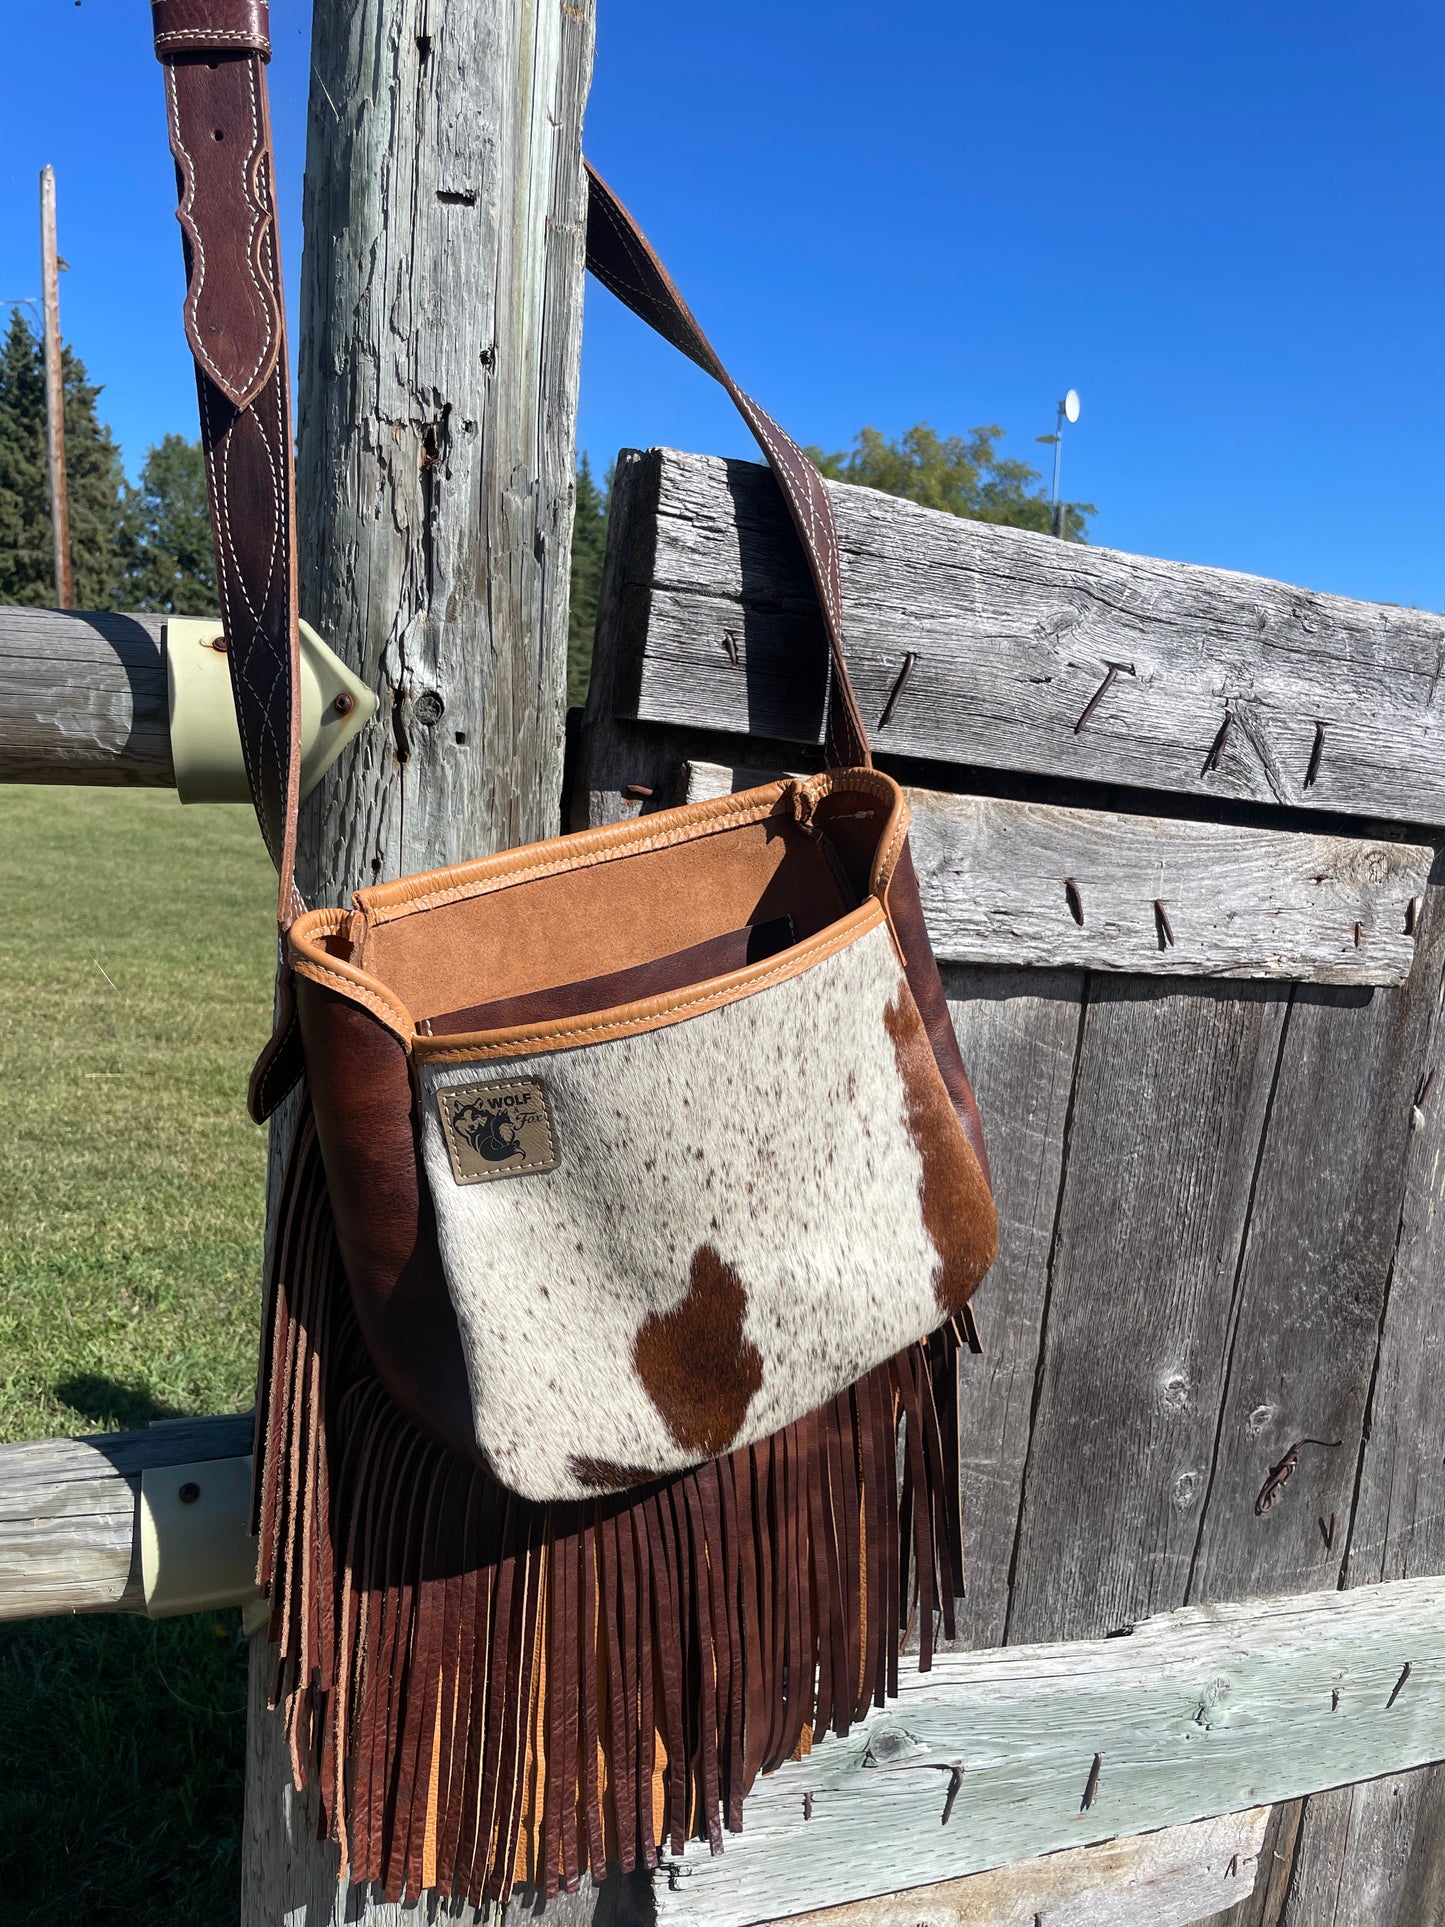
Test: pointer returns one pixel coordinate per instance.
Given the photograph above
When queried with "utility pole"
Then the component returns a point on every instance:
(55, 393)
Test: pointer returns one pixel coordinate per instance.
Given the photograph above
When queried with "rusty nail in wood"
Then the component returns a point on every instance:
(636, 792)
(189, 1493)
(218, 643)
(1166, 928)
(730, 644)
(1211, 762)
(1281, 1474)
(807, 1806)
(898, 688)
(955, 1781)
(1074, 899)
(1315, 754)
(1334, 1699)
(1098, 696)
(1412, 915)
(1395, 1689)
(343, 704)
(1359, 935)
(1091, 1787)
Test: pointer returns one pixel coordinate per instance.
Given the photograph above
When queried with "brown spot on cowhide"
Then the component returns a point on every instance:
(958, 1211)
(698, 1368)
(601, 1475)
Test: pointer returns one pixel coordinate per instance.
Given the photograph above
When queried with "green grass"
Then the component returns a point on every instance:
(136, 953)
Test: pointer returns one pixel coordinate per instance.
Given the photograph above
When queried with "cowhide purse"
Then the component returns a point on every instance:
(637, 1196)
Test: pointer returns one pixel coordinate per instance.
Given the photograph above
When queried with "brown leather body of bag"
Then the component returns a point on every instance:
(607, 1432)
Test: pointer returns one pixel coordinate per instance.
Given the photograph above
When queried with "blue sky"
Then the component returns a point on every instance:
(1221, 223)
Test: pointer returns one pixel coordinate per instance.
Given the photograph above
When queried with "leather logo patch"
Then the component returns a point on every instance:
(498, 1130)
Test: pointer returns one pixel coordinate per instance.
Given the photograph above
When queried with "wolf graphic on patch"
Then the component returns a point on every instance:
(498, 1130)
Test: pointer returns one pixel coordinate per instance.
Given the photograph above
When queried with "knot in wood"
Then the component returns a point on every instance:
(888, 1744)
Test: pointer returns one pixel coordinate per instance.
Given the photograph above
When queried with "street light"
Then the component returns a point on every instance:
(1068, 412)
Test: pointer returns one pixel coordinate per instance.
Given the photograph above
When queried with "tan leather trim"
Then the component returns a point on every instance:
(308, 957)
(653, 1013)
(384, 902)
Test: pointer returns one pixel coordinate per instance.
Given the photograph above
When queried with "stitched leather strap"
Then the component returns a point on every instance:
(214, 53)
(619, 255)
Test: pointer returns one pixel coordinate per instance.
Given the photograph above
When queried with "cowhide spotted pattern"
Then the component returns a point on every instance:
(753, 1207)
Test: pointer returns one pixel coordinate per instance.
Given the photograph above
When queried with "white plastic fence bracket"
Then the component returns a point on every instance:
(196, 1549)
(205, 742)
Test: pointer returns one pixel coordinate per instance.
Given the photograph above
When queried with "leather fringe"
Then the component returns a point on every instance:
(488, 1691)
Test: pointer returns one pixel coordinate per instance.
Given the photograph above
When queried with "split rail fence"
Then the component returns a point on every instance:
(1178, 835)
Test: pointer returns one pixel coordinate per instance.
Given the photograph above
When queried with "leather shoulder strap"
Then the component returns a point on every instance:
(214, 53)
(621, 259)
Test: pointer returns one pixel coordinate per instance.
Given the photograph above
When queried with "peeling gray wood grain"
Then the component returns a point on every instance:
(1398, 1527)
(1013, 633)
(1306, 1313)
(1168, 1109)
(68, 1510)
(83, 699)
(1374, 1855)
(1160, 896)
(1014, 883)
(441, 308)
(1198, 1712)
(1148, 1880)
(1261, 1907)
(440, 328)
(1019, 1032)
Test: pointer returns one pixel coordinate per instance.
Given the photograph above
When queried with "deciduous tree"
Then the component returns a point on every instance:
(963, 474)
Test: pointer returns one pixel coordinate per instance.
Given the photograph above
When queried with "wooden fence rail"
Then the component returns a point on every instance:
(70, 1513)
(970, 644)
(83, 698)
(991, 1759)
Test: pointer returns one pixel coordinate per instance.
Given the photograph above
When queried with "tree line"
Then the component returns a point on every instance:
(147, 545)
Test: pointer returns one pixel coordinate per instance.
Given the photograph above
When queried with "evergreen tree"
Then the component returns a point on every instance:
(170, 565)
(589, 542)
(93, 468)
(963, 474)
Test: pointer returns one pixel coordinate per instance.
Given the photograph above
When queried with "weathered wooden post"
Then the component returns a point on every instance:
(441, 303)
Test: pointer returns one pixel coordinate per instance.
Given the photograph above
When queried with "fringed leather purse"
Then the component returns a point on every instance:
(609, 1381)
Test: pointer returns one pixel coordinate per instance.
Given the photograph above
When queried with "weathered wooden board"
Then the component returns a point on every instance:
(1168, 1108)
(1223, 685)
(1374, 1855)
(1019, 1034)
(83, 699)
(995, 1757)
(1305, 1319)
(1160, 1879)
(68, 1532)
(1262, 1907)
(1004, 882)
